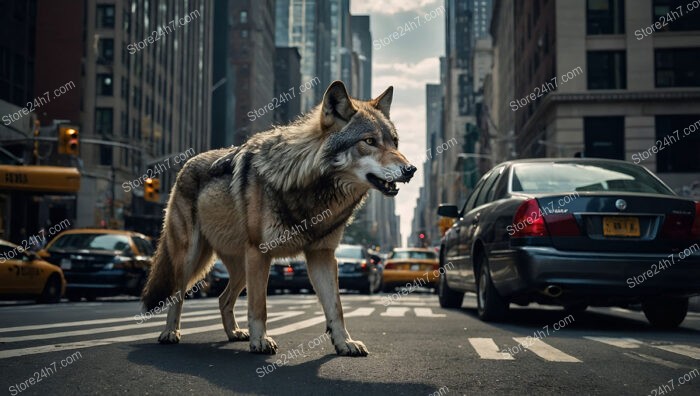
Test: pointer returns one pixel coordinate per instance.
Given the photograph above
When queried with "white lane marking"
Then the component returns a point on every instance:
(487, 349)
(311, 322)
(545, 351)
(360, 312)
(427, 313)
(107, 341)
(74, 333)
(395, 311)
(625, 343)
(99, 321)
(685, 350)
(651, 359)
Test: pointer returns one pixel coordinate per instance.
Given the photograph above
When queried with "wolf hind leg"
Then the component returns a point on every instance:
(227, 300)
(195, 265)
(257, 269)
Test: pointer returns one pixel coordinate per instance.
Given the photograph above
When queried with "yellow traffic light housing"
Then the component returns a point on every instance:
(151, 190)
(68, 139)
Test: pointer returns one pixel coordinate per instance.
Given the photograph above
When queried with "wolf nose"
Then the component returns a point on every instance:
(408, 171)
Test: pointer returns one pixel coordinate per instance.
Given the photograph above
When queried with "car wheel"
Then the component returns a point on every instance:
(73, 296)
(491, 307)
(448, 298)
(575, 308)
(52, 291)
(665, 312)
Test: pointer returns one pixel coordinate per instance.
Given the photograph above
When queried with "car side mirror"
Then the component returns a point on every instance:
(447, 210)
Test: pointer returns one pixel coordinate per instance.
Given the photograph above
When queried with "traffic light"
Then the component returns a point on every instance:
(421, 236)
(151, 190)
(68, 139)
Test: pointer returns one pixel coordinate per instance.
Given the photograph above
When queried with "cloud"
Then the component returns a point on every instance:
(388, 7)
(407, 75)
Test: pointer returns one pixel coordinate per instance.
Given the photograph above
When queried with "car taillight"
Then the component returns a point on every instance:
(389, 266)
(677, 226)
(562, 225)
(363, 265)
(696, 224)
(528, 221)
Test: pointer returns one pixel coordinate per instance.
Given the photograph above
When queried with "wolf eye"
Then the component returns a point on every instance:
(370, 141)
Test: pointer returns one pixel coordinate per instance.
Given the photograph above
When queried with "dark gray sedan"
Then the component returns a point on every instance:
(572, 232)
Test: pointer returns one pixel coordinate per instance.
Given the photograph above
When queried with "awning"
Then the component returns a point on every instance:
(39, 178)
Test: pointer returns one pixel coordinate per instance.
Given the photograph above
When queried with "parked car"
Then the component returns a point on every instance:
(358, 270)
(99, 263)
(289, 273)
(417, 266)
(23, 274)
(216, 279)
(572, 232)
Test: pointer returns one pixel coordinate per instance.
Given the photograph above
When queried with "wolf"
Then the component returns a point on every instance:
(232, 201)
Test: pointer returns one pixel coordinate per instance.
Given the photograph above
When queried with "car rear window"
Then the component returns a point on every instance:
(565, 177)
(351, 252)
(92, 242)
(418, 255)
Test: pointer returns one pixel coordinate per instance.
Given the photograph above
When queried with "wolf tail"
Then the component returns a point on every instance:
(183, 255)
(161, 280)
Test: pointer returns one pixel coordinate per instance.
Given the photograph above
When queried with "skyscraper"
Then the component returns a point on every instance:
(362, 46)
(306, 24)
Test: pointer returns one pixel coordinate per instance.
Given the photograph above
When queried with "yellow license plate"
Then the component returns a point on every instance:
(621, 226)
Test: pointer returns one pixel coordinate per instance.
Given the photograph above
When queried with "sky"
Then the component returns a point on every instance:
(407, 63)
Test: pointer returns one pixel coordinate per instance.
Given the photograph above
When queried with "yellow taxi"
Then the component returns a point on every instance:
(411, 266)
(23, 274)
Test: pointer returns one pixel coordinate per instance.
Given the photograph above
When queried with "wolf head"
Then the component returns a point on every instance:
(362, 142)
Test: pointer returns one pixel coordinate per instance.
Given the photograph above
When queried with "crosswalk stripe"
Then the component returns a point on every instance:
(360, 312)
(545, 351)
(137, 337)
(427, 313)
(487, 349)
(311, 322)
(625, 343)
(94, 322)
(110, 329)
(395, 311)
(685, 350)
(651, 359)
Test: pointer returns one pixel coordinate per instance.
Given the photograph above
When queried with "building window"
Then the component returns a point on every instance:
(244, 33)
(672, 15)
(104, 121)
(106, 155)
(604, 137)
(104, 84)
(605, 17)
(677, 152)
(105, 50)
(607, 70)
(105, 16)
(244, 16)
(677, 67)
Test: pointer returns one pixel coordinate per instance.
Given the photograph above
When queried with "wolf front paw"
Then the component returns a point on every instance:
(352, 348)
(265, 345)
(169, 337)
(239, 335)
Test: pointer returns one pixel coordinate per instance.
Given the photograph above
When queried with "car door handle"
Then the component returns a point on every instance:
(475, 220)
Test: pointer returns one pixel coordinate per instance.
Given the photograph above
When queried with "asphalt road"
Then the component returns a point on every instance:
(416, 348)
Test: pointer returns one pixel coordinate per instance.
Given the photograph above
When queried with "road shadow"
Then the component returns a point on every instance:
(240, 372)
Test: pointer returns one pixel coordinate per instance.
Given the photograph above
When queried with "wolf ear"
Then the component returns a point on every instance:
(337, 104)
(383, 101)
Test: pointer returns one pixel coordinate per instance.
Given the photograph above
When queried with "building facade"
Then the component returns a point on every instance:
(621, 86)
